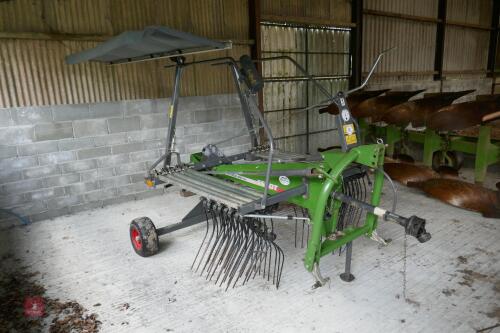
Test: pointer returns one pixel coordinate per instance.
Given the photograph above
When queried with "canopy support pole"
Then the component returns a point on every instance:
(172, 111)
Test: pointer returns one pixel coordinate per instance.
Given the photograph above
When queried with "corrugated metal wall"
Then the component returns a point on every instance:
(35, 36)
(466, 48)
(313, 10)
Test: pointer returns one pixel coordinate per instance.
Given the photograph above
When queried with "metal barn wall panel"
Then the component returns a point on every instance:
(470, 11)
(33, 73)
(415, 42)
(465, 49)
(321, 10)
(412, 64)
(427, 8)
(211, 18)
(35, 36)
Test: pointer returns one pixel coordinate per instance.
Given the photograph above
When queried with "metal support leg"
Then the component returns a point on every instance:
(481, 164)
(347, 276)
(393, 136)
(432, 143)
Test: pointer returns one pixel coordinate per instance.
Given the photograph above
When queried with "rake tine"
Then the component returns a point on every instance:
(282, 265)
(239, 266)
(237, 249)
(234, 253)
(206, 234)
(241, 255)
(295, 212)
(226, 255)
(249, 254)
(217, 237)
(254, 257)
(209, 240)
(262, 255)
(221, 243)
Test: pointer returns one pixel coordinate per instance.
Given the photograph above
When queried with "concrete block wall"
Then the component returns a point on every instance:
(58, 160)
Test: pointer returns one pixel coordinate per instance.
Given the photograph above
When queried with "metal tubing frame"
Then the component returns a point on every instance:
(233, 64)
(195, 216)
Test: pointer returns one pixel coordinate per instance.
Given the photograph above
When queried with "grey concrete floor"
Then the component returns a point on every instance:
(452, 281)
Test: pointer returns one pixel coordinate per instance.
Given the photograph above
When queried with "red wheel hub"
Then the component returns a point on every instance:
(135, 235)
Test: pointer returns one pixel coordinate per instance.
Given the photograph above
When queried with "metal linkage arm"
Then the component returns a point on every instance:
(365, 82)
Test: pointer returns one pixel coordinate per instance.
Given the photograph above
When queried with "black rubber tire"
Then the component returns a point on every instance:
(144, 237)
(456, 160)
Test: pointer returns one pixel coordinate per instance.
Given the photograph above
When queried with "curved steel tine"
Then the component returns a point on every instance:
(254, 258)
(247, 254)
(206, 233)
(354, 194)
(217, 238)
(264, 248)
(281, 261)
(236, 249)
(244, 263)
(241, 255)
(262, 254)
(359, 197)
(238, 246)
(228, 240)
(250, 255)
(295, 212)
(210, 239)
(221, 243)
(230, 246)
(282, 265)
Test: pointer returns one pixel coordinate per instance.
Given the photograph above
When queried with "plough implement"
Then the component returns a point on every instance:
(244, 197)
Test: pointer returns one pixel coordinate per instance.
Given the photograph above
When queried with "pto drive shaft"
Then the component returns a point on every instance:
(414, 226)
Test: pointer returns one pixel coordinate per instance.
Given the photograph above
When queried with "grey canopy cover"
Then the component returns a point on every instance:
(151, 43)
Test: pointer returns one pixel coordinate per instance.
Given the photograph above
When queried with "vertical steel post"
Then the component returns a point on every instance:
(307, 90)
(347, 276)
(356, 43)
(492, 50)
(440, 36)
(172, 111)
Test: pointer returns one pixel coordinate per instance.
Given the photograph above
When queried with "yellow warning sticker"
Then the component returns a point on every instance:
(348, 129)
(351, 139)
(171, 111)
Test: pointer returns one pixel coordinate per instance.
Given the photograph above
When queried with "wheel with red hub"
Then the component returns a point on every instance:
(143, 236)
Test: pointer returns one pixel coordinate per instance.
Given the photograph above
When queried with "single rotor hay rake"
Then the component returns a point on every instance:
(330, 197)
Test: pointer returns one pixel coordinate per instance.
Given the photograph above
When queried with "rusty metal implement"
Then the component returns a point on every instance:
(376, 107)
(405, 172)
(354, 99)
(462, 115)
(461, 194)
(417, 111)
